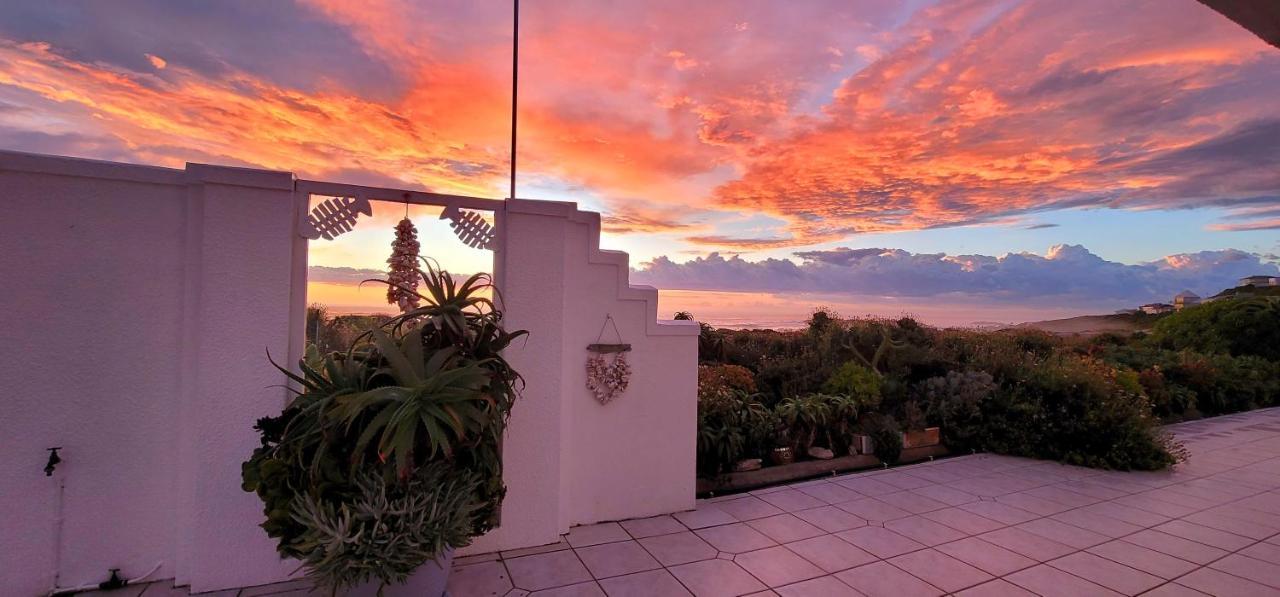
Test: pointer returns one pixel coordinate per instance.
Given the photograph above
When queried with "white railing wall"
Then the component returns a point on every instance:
(139, 308)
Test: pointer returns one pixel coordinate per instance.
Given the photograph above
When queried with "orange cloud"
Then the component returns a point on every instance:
(962, 113)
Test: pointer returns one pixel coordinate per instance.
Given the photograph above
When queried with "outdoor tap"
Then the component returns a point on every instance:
(54, 459)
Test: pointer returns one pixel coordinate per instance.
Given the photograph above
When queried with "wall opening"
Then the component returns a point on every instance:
(340, 304)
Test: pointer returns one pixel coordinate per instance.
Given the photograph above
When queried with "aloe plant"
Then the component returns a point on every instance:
(421, 401)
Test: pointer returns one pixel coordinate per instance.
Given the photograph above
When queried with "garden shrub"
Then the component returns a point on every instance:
(731, 426)
(1090, 401)
(954, 402)
(718, 379)
(856, 382)
(886, 437)
(1239, 327)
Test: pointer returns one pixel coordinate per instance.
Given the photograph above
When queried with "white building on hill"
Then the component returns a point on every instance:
(1185, 299)
(1260, 281)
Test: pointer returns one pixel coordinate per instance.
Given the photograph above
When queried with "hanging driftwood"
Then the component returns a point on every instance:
(608, 377)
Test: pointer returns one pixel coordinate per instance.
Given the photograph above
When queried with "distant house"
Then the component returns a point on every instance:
(1260, 281)
(1185, 299)
(1155, 308)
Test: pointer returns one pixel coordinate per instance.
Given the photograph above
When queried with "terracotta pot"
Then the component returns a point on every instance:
(931, 436)
(782, 455)
(429, 580)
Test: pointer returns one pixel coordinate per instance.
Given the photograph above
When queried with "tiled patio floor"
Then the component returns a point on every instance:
(972, 525)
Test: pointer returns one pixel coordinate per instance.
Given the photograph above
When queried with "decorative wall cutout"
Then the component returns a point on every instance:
(470, 227)
(335, 216)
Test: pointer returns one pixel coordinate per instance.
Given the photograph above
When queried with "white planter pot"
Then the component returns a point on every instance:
(428, 580)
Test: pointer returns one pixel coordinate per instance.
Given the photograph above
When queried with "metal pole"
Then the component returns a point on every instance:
(515, 69)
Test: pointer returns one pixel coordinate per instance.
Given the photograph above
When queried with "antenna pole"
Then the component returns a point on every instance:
(515, 70)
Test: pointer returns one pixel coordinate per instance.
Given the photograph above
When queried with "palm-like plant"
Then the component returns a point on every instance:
(424, 398)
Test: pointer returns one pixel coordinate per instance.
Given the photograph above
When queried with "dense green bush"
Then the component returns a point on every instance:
(1094, 401)
(1239, 327)
(886, 438)
(858, 383)
(955, 402)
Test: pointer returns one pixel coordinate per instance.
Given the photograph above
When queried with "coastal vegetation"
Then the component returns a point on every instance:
(1094, 401)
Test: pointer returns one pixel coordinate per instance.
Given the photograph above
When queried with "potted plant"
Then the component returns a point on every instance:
(389, 457)
(886, 438)
(917, 434)
(804, 417)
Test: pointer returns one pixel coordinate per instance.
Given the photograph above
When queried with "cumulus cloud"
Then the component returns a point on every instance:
(1065, 274)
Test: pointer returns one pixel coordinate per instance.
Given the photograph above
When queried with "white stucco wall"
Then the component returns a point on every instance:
(140, 307)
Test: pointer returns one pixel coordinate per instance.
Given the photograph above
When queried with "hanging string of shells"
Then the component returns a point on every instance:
(403, 262)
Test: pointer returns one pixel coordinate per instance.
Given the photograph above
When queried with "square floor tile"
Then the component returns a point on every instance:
(881, 542)
(748, 508)
(640, 528)
(998, 512)
(903, 480)
(1135, 516)
(1050, 582)
(479, 580)
(655, 583)
(1098, 523)
(940, 570)
(595, 534)
(785, 528)
(830, 519)
(1028, 544)
(823, 586)
(912, 502)
(777, 566)
(873, 509)
(996, 588)
(884, 580)
(528, 551)
(544, 571)
(1032, 504)
(831, 553)
(616, 559)
(989, 557)
(963, 521)
(1176, 546)
(1266, 552)
(706, 515)
(1099, 570)
(924, 530)
(1064, 533)
(1221, 584)
(1246, 567)
(1141, 558)
(792, 500)
(1174, 590)
(678, 548)
(831, 493)
(584, 589)
(946, 495)
(735, 538)
(1253, 527)
(865, 485)
(1205, 535)
(716, 578)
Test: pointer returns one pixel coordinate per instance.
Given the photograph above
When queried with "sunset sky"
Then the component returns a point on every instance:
(969, 160)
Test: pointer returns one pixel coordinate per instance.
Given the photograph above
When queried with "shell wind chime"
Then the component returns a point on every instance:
(402, 276)
(608, 377)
